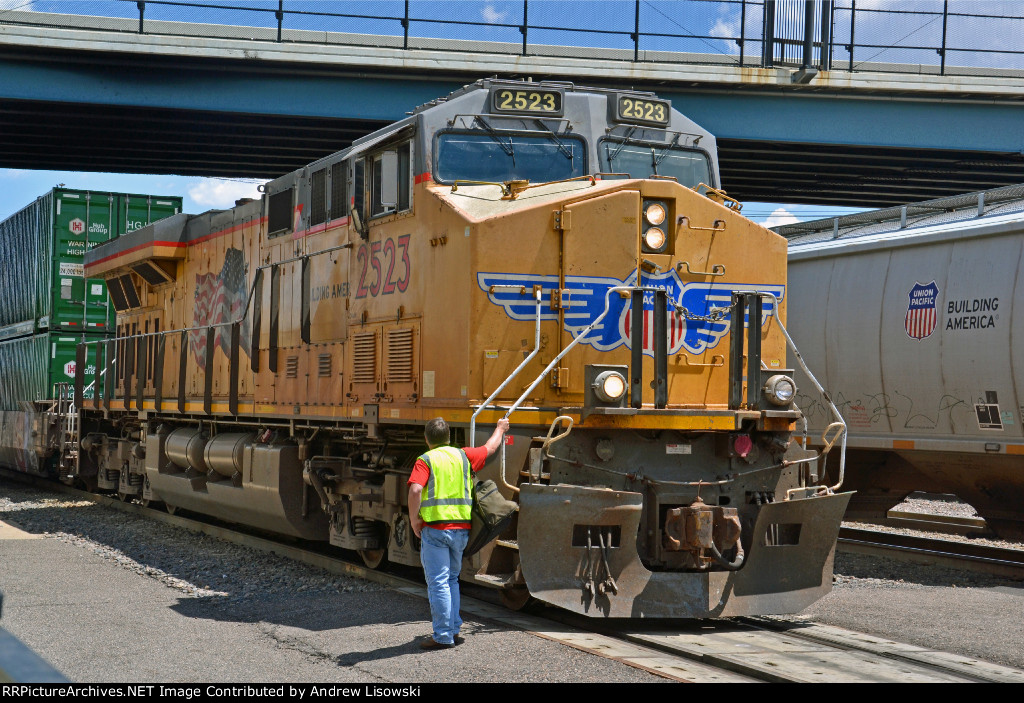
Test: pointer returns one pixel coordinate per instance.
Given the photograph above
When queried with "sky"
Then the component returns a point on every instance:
(19, 188)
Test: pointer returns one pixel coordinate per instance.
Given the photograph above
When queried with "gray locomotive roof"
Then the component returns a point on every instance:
(585, 113)
(472, 100)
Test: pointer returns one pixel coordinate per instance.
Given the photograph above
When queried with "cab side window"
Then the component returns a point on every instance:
(318, 198)
(279, 212)
(358, 186)
(390, 180)
(405, 176)
(339, 195)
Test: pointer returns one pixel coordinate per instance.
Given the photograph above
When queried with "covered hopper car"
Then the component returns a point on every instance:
(914, 316)
(560, 256)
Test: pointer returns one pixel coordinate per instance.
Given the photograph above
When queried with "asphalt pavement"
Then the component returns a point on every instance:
(98, 622)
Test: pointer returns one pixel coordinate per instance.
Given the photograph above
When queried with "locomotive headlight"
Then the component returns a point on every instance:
(655, 213)
(780, 389)
(610, 386)
(654, 239)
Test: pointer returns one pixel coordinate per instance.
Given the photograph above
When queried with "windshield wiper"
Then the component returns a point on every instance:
(622, 144)
(554, 137)
(493, 134)
(655, 159)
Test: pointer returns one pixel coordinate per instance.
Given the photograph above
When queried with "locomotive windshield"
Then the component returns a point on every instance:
(505, 156)
(640, 160)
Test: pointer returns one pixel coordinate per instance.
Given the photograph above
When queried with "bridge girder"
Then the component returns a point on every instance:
(87, 111)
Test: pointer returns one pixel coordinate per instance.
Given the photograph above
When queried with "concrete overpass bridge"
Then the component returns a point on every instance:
(808, 105)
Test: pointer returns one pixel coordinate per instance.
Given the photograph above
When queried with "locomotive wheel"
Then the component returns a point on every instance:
(86, 483)
(517, 598)
(373, 558)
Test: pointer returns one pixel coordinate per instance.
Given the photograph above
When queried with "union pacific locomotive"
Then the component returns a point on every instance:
(560, 256)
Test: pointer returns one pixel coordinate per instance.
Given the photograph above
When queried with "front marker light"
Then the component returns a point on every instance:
(655, 213)
(610, 386)
(780, 389)
(654, 239)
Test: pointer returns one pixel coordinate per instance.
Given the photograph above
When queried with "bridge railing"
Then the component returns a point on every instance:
(941, 37)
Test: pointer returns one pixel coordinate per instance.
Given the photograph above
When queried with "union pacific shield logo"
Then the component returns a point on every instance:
(921, 316)
(585, 298)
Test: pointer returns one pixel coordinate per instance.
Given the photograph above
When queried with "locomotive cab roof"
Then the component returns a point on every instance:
(596, 129)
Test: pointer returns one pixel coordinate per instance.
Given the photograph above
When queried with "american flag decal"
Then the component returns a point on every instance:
(921, 315)
(220, 298)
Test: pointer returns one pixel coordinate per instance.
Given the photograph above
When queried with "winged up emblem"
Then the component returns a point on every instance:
(585, 297)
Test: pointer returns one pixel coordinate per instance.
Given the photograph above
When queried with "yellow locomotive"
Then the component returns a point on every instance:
(558, 255)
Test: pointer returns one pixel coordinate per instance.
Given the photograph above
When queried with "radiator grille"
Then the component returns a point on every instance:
(400, 355)
(291, 366)
(324, 365)
(364, 357)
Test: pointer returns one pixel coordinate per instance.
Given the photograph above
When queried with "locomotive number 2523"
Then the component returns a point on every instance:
(384, 267)
(541, 101)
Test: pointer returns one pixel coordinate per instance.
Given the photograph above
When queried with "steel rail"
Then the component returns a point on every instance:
(927, 522)
(996, 561)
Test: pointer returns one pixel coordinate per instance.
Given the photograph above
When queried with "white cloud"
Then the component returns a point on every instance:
(726, 28)
(216, 193)
(780, 216)
(492, 16)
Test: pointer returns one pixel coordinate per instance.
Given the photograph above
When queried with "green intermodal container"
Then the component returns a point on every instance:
(41, 251)
(30, 367)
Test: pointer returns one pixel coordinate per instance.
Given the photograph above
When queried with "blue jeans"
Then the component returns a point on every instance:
(441, 555)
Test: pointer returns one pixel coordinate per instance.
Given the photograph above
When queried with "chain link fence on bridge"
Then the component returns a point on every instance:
(938, 37)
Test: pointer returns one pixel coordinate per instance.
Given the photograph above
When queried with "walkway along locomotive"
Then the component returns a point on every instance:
(275, 363)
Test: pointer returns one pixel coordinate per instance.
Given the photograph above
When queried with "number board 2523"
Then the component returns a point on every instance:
(637, 110)
(538, 101)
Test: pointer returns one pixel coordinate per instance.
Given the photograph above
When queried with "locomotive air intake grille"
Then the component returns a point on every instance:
(400, 355)
(364, 357)
(324, 365)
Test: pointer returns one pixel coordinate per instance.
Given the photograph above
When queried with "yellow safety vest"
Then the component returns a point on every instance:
(449, 492)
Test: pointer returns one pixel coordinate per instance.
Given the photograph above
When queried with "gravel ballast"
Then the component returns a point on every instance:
(208, 567)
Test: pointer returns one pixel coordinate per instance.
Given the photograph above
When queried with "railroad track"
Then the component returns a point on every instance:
(995, 561)
(762, 649)
(928, 522)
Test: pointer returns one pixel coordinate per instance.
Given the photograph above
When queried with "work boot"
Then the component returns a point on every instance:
(431, 643)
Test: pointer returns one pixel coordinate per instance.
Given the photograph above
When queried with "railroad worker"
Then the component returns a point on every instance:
(442, 520)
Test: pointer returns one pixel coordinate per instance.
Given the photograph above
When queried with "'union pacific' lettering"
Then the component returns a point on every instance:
(922, 297)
